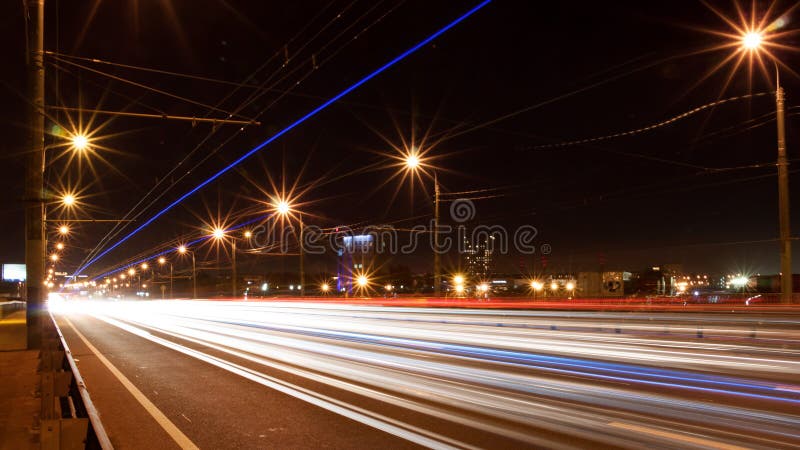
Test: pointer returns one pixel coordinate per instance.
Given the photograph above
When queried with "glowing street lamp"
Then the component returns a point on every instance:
(218, 233)
(413, 163)
(553, 286)
(458, 279)
(324, 287)
(63, 230)
(248, 234)
(60, 246)
(68, 200)
(183, 250)
(284, 208)
(54, 257)
(80, 142)
(131, 272)
(162, 261)
(537, 285)
(362, 281)
(753, 41)
(145, 266)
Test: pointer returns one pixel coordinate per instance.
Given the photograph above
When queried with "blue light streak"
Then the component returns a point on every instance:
(290, 127)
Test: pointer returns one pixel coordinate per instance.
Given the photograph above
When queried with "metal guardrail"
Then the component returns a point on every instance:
(68, 418)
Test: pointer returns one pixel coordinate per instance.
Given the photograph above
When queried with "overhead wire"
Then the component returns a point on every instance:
(161, 192)
(653, 126)
(291, 126)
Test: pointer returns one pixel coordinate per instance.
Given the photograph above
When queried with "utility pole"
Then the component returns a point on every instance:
(783, 196)
(437, 274)
(34, 179)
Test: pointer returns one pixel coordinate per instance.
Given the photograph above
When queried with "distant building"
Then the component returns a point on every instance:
(355, 257)
(477, 258)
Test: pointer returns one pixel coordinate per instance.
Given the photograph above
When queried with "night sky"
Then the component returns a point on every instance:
(572, 70)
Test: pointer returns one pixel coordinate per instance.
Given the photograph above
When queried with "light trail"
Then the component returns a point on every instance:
(287, 129)
(504, 373)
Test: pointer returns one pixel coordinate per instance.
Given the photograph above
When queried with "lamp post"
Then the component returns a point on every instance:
(284, 209)
(161, 262)
(413, 163)
(302, 257)
(183, 250)
(752, 42)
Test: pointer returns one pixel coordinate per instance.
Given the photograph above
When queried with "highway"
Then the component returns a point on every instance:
(271, 374)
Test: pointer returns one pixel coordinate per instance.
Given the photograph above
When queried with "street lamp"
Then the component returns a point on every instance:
(413, 163)
(68, 200)
(54, 257)
(219, 235)
(362, 282)
(80, 142)
(183, 250)
(161, 262)
(284, 209)
(753, 42)
(458, 282)
(63, 230)
(60, 246)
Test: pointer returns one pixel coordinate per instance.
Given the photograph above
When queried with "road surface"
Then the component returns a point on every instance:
(310, 375)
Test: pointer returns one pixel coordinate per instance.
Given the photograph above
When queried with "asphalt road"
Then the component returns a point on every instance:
(304, 375)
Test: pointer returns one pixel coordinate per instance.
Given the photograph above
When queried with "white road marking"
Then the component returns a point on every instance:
(375, 420)
(676, 436)
(181, 439)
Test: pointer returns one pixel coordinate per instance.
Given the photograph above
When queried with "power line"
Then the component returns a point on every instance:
(290, 127)
(650, 127)
(162, 192)
(144, 86)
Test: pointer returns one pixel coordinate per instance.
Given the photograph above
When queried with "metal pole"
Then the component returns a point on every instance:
(302, 260)
(437, 275)
(171, 278)
(194, 278)
(34, 181)
(783, 197)
(233, 267)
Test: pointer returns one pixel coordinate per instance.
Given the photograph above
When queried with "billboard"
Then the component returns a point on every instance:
(13, 272)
